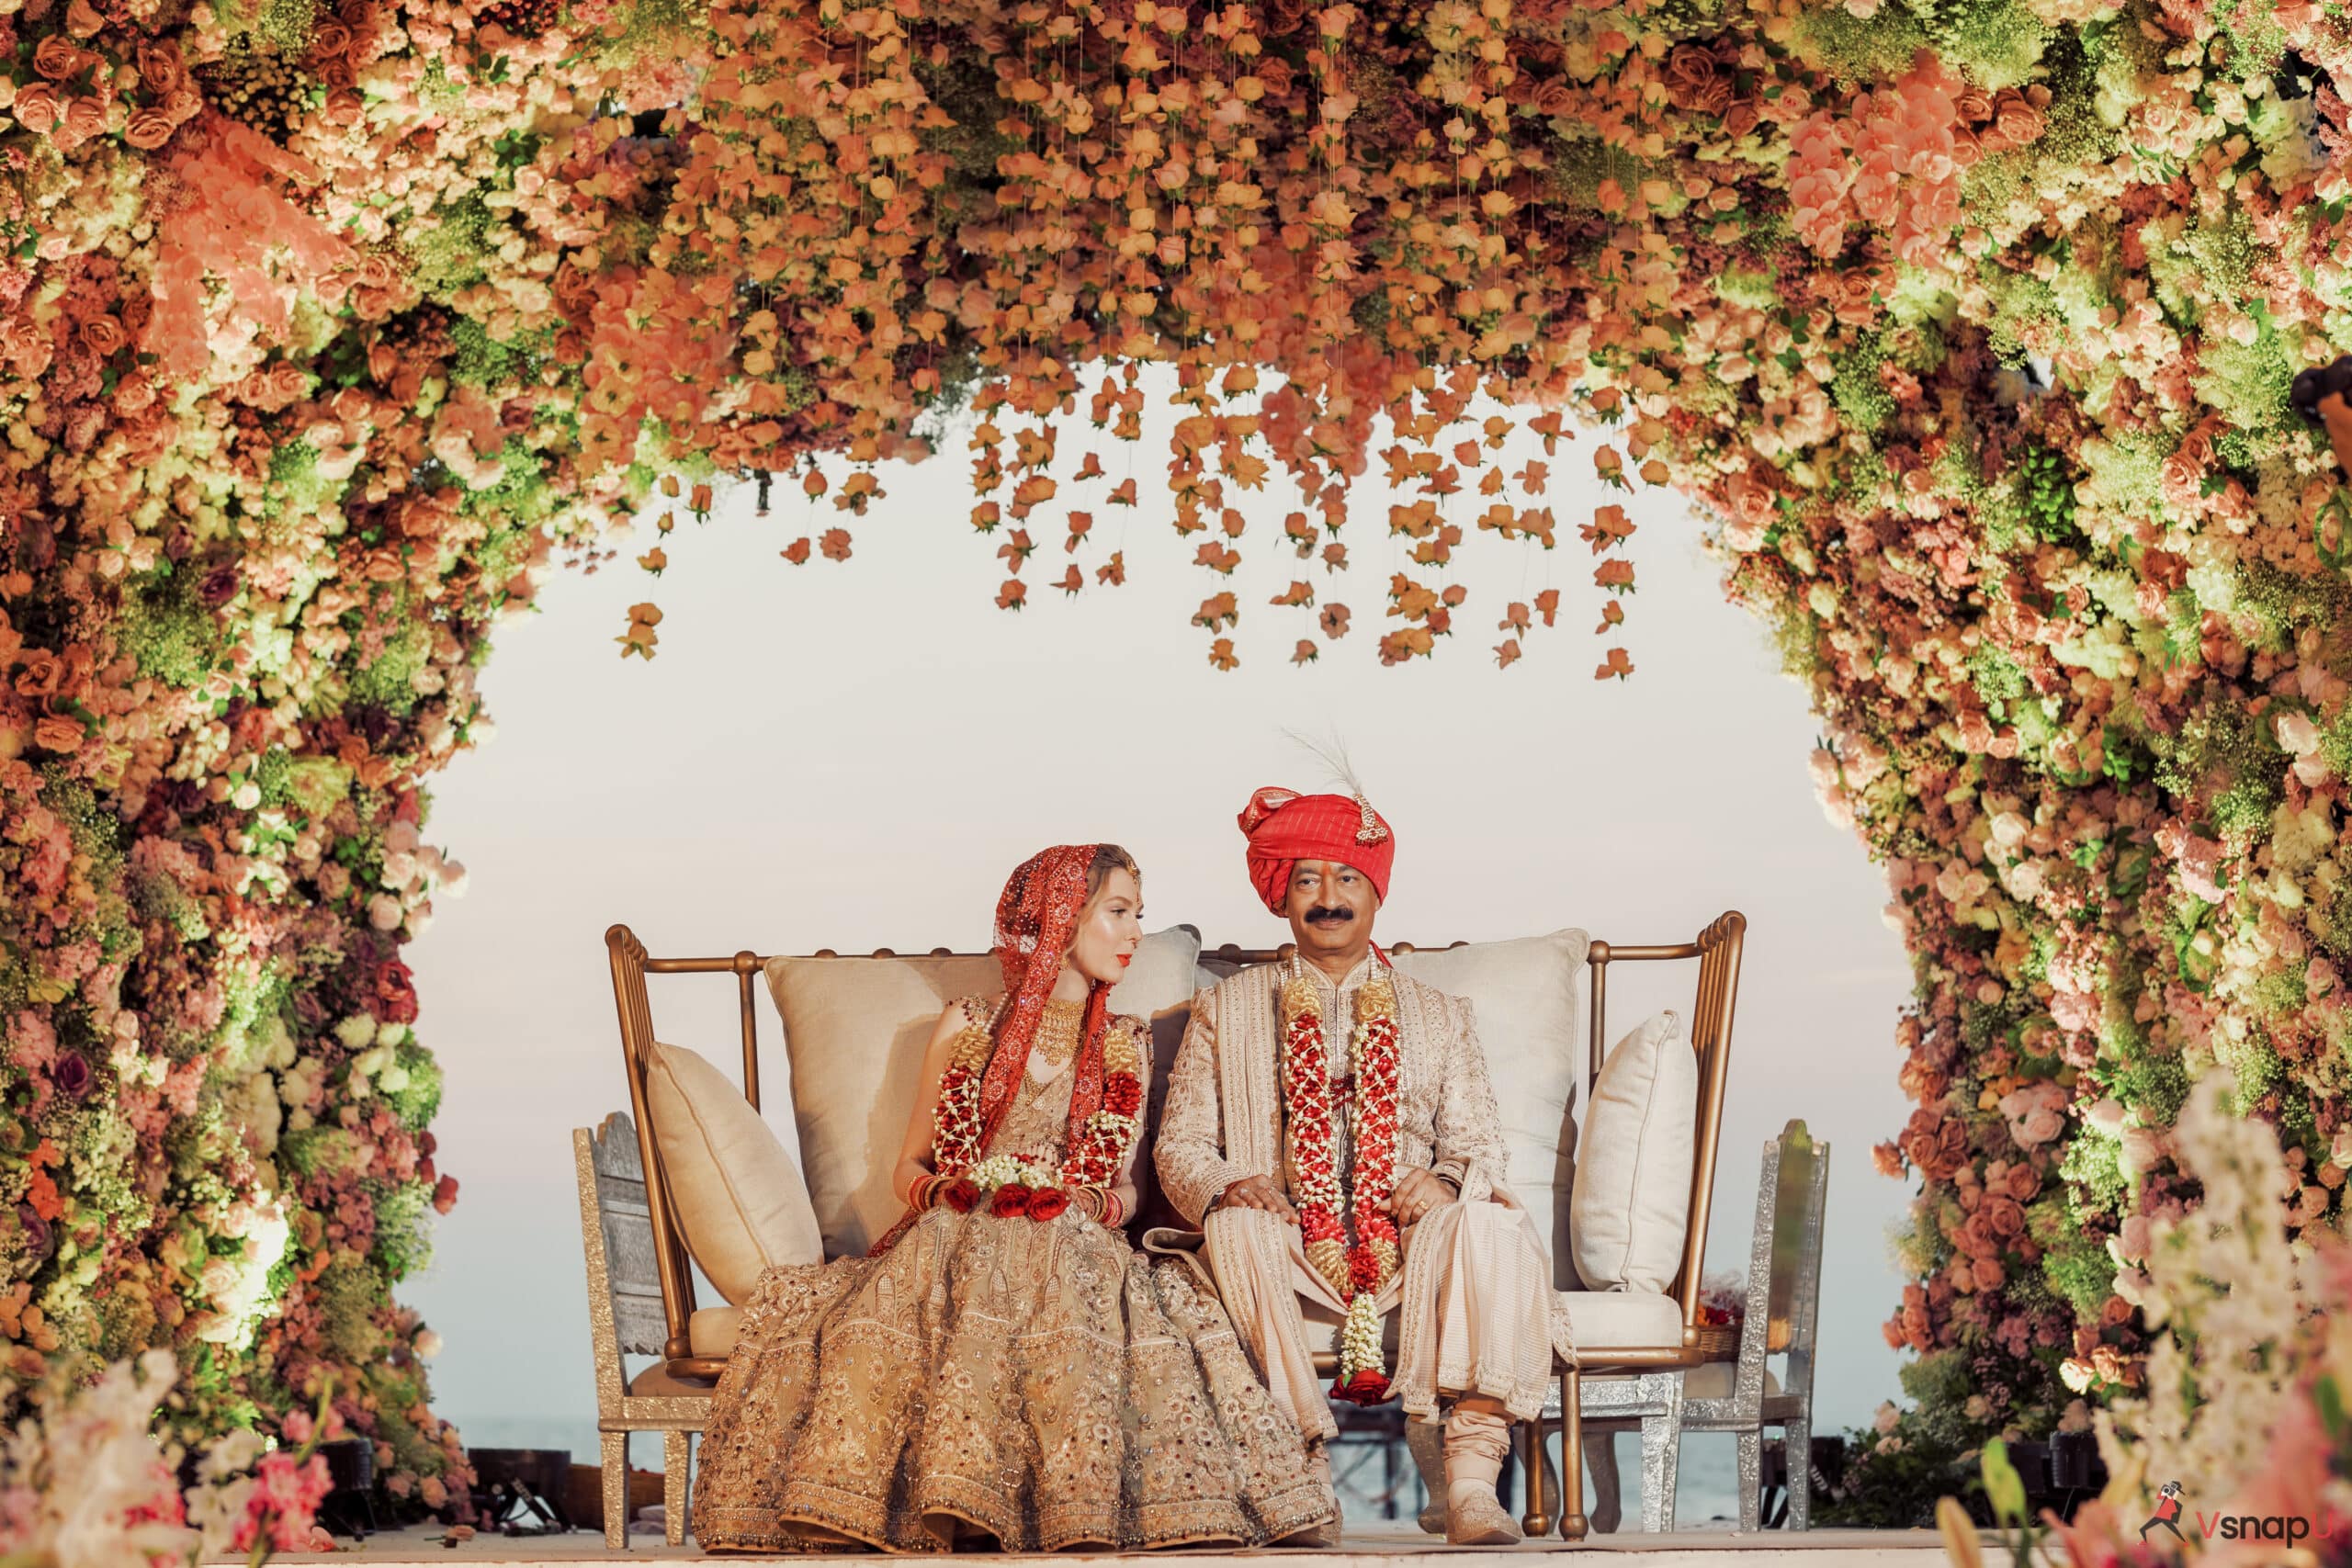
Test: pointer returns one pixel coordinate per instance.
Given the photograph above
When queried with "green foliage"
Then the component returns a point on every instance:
(2079, 1271)
(1860, 395)
(2226, 754)
(168, 630)
(1854, 49)
(350, 1294)
(416, 1101)
(2094, 1163)
(403, 1228)
(2045, 494)
(448, 245)
(386, 679)
(2155, 1086)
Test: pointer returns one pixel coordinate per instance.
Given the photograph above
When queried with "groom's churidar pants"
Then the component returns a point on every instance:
(1474, 1303)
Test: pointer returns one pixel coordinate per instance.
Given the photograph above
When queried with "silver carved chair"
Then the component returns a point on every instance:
(1740, 1396)
(625, 1318)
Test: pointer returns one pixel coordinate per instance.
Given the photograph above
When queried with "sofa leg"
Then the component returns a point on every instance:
(616, 1490)
(677, 1477)
(1535, 1522)
(1573, 1523)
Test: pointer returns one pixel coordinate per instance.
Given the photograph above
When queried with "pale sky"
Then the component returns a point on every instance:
(854, 755)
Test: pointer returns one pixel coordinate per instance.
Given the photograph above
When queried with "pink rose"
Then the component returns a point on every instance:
(36, 108)
(149, 128)
(160, 69)
(84, 118)
(55, 60)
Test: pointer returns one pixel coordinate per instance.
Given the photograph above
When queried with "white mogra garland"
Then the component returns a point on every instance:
(1012, 1170)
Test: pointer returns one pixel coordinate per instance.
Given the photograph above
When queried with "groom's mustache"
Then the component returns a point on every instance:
(1324, 913)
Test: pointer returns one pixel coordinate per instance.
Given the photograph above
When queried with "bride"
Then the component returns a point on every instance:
(1002, 1365)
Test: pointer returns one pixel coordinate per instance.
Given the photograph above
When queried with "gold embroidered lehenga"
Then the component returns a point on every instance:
(1041, 1383)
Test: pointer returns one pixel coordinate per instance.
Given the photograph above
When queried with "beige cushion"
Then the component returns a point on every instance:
(1524, 996)
(1622, 1320)
(740, 1203)
(1712, 1379)
(854, 1031)
(655, 1382)
(1633, 1197)
(711, 1331)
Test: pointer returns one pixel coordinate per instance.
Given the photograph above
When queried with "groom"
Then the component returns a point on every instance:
(1331, 1126)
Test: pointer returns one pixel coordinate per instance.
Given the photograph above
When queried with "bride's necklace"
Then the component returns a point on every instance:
(1058, 1029)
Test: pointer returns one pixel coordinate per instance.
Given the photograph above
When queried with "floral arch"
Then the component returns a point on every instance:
(327, 333)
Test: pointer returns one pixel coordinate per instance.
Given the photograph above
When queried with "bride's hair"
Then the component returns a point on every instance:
(1108, 858)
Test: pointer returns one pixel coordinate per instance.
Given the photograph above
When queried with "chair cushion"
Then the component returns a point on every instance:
(1622, 1320)
(854, 1031)
(740, 1202)
(711, 1331)
(1633, 1197)
(655, 1382)
(1712, 1379)
(1524, 996)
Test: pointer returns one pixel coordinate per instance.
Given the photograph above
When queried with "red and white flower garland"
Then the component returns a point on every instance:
(1095, 1161)
(1356, 1270)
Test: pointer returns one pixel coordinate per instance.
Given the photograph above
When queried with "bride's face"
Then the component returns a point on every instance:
(1107, 938)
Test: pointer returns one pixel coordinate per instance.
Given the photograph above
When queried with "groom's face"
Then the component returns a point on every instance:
(1330, 907)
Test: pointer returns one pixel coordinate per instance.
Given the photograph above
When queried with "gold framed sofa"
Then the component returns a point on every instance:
(723, 1194)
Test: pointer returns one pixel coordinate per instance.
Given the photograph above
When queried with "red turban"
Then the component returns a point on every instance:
(1285, 827)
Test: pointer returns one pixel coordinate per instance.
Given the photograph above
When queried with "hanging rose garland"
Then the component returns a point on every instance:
(1356, 1270)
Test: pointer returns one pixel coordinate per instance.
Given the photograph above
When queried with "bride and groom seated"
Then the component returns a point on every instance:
(1002, 1365)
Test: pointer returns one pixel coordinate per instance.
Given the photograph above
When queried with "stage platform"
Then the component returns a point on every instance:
(1383, 1548)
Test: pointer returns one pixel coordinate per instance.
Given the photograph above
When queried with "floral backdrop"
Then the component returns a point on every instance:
(328, 333)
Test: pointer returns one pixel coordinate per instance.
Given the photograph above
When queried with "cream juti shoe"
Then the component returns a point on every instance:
(1476, 1443)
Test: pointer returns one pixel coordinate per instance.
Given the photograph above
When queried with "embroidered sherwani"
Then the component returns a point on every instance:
(1477, 1313)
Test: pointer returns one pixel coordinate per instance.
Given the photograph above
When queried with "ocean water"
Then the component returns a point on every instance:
(1706, 1491)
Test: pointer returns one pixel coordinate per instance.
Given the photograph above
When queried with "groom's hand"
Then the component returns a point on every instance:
(1257, 1192)
(1417, 1193)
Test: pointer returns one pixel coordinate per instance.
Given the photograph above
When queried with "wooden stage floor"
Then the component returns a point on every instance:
(1389, 1547)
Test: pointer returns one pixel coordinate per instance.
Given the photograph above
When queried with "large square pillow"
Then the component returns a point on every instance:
(1525, 995)
(1633, 1197)
(740, 1202)
(853, 1032)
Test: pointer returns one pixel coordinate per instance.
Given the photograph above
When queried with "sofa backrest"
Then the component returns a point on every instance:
(855, 1028)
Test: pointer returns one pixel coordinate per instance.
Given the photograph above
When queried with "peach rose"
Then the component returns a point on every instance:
(102, 334)
(84, 118)
(36, 108)
(183, 103)
(2017, 123)
(149, 128)
(56, 734)
(160, 70)
(41, 674)
(55, 60)
(82, 19)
